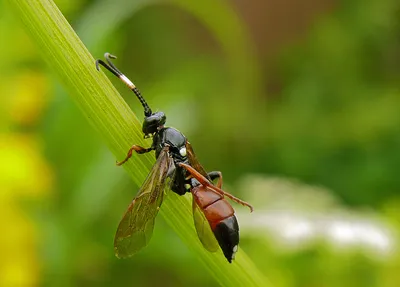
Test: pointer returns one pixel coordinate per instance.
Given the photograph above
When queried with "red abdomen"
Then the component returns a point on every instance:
(214, 206)
(221, 217)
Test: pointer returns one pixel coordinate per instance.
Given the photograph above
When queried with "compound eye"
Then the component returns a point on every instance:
(153, 122)
(161, 118)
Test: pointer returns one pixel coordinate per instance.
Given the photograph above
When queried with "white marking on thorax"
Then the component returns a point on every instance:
(182, 151)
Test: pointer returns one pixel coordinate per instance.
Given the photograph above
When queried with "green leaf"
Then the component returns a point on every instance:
(112, 118)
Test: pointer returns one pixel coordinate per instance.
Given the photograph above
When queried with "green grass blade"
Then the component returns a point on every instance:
(110, 115)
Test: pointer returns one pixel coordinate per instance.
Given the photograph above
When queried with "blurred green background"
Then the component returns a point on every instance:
(296, 102)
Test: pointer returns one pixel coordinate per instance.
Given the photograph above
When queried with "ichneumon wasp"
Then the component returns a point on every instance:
(214, 217)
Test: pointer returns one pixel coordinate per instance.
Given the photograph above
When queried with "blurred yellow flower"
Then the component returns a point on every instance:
(19, 260)
(28, 95)
(23, 173)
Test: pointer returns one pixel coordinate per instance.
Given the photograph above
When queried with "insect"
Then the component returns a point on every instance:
(176, 167)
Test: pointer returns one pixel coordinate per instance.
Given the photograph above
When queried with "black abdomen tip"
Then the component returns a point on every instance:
(227, 234)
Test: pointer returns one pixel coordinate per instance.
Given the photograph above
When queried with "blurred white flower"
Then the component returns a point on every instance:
(295, 215)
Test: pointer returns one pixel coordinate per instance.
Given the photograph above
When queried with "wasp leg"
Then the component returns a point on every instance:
(137, 149)
(204, 181)
(216, 174)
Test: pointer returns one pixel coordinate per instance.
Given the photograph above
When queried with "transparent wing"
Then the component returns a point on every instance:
(136, 227)
(203, 229)
(193, 160)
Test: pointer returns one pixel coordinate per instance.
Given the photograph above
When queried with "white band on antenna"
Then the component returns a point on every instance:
(127, 81)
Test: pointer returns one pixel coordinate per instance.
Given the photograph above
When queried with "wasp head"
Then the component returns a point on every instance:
(153, 123)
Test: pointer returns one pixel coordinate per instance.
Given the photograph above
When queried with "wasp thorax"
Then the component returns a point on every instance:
(152, 123)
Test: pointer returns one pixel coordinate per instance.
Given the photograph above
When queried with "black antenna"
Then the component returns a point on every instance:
(111, 67)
